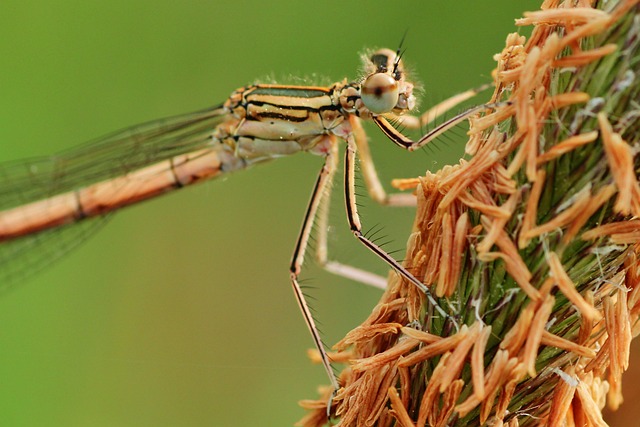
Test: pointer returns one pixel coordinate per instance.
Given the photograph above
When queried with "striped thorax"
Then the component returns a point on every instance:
(267, 121)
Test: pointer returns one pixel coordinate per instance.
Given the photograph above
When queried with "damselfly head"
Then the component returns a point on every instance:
(384, 88)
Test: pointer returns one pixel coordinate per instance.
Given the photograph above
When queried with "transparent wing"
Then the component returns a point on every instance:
(107, 157)
(24, 257)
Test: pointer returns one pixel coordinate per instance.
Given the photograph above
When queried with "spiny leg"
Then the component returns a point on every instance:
(403, 141)
(356, 226)
(416, 122)
(322, 252)
(322, 183)
(371, 179)
(322, 248)
(377, 193)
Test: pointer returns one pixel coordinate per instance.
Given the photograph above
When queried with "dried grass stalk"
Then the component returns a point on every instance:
(532, 246)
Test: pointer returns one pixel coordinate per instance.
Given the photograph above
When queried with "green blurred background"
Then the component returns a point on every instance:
(180, 312)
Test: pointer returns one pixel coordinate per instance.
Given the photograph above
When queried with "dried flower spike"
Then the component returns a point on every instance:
(532, 246)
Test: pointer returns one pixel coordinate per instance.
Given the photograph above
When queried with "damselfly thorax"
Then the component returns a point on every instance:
(265, 121)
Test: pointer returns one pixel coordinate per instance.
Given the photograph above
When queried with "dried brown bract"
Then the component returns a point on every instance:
(532, 247)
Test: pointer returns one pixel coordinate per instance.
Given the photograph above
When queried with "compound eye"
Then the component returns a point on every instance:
(380, 93)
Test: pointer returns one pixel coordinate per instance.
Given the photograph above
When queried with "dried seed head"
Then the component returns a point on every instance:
(532, 246)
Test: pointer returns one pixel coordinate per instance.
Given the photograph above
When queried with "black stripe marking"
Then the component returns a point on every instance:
(79, 211)
(280, 116)
(176, 181)
(330, 107)
(291, 92)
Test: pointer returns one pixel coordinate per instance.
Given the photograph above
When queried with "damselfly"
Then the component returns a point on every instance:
(255, 124)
